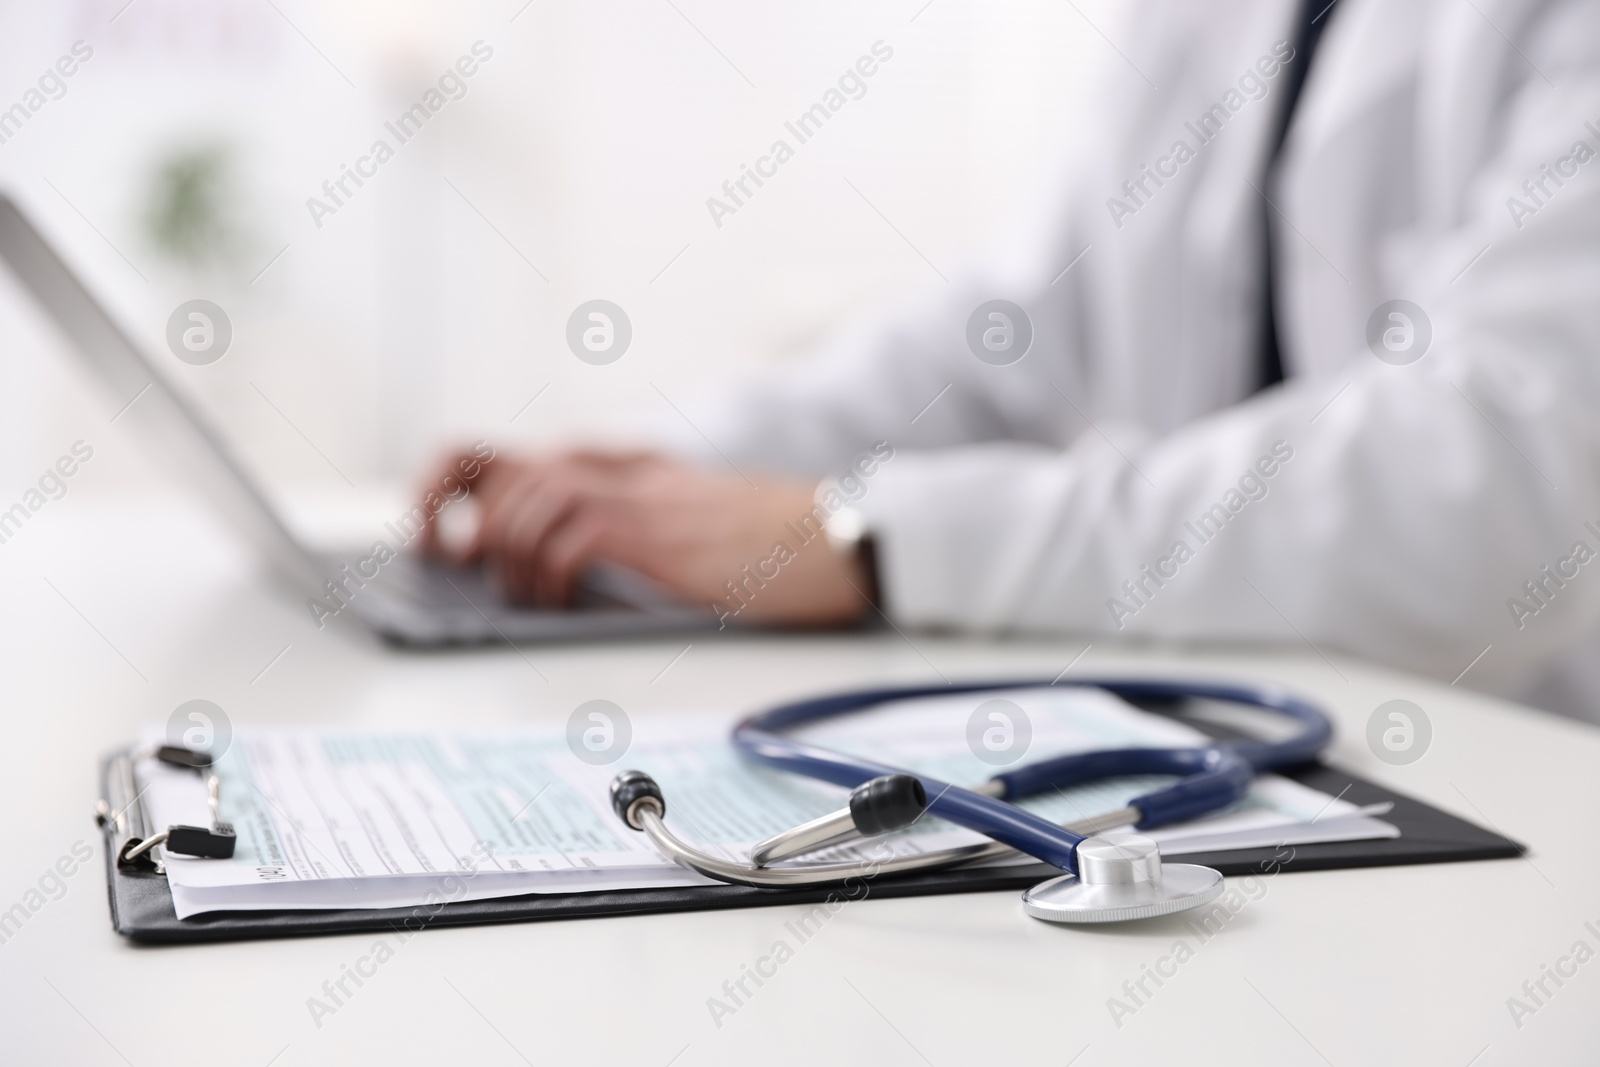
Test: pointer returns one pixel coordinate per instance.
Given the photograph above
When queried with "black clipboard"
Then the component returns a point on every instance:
(141, 904)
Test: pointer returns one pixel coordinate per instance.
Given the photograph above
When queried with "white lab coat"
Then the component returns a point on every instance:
(1419, 499)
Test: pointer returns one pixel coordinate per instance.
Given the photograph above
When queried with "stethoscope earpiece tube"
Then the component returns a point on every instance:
(1212, 778)
(1204, 793)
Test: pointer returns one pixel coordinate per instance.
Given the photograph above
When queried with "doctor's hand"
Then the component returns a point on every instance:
(543, 520)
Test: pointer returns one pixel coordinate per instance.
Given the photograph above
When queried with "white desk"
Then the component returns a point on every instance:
(1405, 965)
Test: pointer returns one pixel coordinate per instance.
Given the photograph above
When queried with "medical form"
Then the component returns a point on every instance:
(331, 818)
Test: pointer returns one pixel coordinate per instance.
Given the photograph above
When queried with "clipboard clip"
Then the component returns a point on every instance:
(216, 841)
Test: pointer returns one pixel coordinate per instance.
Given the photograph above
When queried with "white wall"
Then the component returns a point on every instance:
(589, 143)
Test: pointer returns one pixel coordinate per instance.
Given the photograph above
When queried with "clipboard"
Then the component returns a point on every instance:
(142, 910)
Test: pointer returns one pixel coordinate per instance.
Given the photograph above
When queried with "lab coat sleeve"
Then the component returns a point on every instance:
(1420, 515)
(910, 378)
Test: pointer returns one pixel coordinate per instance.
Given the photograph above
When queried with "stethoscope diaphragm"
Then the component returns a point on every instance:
(1121, 877)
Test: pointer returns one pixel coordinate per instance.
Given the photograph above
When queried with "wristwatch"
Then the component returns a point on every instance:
(846, 529)
(849, 536)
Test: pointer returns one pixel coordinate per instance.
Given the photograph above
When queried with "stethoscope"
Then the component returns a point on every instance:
(1109, 879)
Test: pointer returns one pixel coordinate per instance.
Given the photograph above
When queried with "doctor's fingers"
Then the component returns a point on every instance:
(613, 460)
(503, 494)
(642, 535)
(502, 489)
(454, 476)
(545, 544)
(588, 470)
(575, 542)
(526, 493)
(509, 536)
(545, 534)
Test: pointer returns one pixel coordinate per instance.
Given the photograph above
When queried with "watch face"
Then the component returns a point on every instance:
(845, 528)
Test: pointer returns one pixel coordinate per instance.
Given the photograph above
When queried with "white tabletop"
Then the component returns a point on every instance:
(112, 616)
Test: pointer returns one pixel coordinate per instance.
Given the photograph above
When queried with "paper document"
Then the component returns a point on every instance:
(345, 819)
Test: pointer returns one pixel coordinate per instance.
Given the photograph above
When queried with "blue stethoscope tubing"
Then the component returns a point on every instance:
(1212, 776)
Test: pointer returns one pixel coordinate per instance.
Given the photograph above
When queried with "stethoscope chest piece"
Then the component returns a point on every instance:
(1121, 877)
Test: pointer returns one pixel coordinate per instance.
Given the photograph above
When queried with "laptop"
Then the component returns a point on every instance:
(410, 600)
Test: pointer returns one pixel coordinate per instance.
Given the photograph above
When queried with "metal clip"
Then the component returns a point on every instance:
(135, 848)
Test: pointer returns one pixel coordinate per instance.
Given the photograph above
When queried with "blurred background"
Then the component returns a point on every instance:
(432, 306)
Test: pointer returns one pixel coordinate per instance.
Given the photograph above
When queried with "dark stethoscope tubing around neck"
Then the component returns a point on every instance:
(1211, 776)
